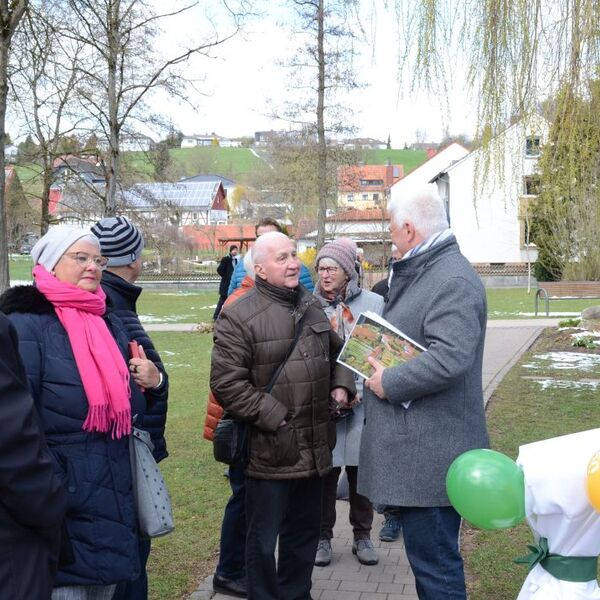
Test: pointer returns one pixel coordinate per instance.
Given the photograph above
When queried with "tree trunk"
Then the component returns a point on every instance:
(322, 186)
(113, 49)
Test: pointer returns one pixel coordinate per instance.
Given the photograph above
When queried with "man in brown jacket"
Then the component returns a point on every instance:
(291, 432)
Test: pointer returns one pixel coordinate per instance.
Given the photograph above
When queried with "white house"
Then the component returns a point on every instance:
(487, 205)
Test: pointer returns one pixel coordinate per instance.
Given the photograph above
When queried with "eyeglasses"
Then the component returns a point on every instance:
(328, 270)
(83, 259)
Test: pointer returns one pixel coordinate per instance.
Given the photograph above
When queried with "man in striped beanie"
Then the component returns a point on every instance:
(122, 243)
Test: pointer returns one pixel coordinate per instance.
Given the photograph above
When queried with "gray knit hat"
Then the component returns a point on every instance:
(120, 240)
(49, 249)
(343, 251)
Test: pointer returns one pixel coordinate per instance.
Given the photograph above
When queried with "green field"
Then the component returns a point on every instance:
(410, 159)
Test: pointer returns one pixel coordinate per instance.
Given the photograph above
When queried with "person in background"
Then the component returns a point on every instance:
(359, 267)
(86, 392)
(423, 413)
(225, 270)
(382, 287)
(32, 498)
(291, 435)
(264, 226)
(122, 243)
(342, 300)
(230, 574)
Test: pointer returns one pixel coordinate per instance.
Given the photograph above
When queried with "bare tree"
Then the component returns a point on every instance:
(43, 81)
(322, 68)
(11, 12)
(122, 66)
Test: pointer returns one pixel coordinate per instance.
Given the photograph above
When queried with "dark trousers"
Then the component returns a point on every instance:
(232, 553)
(290, 509)
(222, 298)
(137, 589)
(361, 509)
(431, 542)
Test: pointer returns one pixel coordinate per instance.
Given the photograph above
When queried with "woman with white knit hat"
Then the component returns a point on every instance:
(343, 300)
(86, 392)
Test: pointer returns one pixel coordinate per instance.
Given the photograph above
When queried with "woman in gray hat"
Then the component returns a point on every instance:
(86, 391)
(343, 300)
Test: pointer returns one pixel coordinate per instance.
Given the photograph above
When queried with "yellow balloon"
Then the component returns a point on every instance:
(592, 481)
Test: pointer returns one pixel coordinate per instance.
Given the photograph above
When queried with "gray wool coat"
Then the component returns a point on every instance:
(349, 429)
(437, 299)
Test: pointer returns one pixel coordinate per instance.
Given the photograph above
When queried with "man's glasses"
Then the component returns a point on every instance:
(83, 259)
(328, 270)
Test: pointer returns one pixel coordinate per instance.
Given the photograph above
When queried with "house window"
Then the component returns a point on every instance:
(531, 185)
(350, 197)
(371, 182)
(365, 197)
(532, 146)
(376, 198)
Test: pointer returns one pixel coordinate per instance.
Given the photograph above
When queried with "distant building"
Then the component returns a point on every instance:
(182, 203)
(130, 142)
(195, 141)
(10, 153)
(366, 186)
(364, 144)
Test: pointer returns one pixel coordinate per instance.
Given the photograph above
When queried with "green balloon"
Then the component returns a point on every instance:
(487, 488)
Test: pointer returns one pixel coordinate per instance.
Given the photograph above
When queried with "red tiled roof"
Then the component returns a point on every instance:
(356, 214)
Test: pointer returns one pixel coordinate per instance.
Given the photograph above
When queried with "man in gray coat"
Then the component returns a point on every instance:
(422, 414)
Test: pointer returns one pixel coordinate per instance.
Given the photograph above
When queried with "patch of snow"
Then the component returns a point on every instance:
(565, 384)
(565, 361)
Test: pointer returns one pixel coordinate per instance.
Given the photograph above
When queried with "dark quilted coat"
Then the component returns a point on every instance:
(251, 338)
(121, 298)
(94, 468)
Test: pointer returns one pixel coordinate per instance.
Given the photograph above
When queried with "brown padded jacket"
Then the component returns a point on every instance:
(251, 339)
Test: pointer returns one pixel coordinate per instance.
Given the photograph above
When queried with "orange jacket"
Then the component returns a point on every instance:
(214, 410)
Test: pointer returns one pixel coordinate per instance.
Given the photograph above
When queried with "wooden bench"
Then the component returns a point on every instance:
(565, 290)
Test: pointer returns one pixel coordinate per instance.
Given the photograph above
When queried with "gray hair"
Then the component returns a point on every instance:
(249, 264)
(262, 244)
(423, 207)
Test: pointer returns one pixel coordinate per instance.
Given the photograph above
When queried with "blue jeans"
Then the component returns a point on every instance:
(232, 553)
(431, 542)
(290, 509)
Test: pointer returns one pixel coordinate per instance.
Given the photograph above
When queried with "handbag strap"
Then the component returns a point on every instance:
(288, 354)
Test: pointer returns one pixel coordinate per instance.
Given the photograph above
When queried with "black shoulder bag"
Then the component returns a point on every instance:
(231, 439)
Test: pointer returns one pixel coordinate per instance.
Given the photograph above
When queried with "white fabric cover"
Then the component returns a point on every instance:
(558, 509)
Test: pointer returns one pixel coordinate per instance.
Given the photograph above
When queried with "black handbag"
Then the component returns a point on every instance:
(231, 441)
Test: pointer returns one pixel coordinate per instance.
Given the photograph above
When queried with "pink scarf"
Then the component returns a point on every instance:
(101, 366)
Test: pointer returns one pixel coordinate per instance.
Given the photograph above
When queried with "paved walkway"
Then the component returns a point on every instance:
(391, 579)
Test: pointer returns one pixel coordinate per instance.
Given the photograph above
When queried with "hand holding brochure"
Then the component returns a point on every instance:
(373, 336)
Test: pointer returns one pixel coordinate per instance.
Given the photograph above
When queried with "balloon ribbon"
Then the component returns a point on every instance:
(565, 568)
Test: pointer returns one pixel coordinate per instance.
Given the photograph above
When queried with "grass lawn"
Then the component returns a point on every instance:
(516, 303)
(196, 483)
(20, 267)
(522, 410)
(176, 306)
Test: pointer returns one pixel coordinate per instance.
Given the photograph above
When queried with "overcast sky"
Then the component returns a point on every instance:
(238, 85)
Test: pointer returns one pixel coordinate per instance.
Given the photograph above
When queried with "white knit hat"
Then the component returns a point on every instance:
(49, 249)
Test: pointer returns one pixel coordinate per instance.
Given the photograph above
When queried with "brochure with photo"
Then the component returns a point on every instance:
(373, 336)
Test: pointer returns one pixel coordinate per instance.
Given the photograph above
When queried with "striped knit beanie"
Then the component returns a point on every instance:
(120, 240)
(343, 252)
